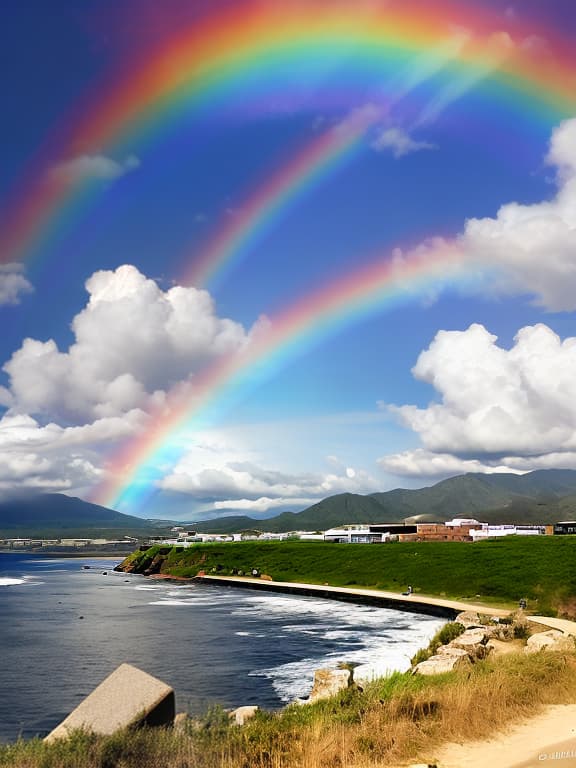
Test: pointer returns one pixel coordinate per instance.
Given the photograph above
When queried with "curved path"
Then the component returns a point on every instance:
(436, 606)
(548, 738)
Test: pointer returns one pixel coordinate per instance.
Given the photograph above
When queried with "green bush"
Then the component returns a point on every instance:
(445, 635)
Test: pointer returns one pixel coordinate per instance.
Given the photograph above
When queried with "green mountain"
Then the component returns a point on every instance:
(543, 496)
(55, 515)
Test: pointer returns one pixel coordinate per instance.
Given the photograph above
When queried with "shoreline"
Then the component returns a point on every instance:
(71, 555)
(432, 606)
(428, 605)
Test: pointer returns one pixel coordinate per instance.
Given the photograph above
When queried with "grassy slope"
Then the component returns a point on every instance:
(538, 568)
(395, 719)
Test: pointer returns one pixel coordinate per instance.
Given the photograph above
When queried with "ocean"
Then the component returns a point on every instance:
(65, 627)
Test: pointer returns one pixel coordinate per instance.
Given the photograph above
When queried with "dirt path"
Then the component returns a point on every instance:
(548, 739)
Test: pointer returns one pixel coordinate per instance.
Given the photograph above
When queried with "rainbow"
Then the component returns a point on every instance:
(272, 198)
(379, 283)
(253, 48)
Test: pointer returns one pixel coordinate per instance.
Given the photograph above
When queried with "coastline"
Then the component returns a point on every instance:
(432, 606)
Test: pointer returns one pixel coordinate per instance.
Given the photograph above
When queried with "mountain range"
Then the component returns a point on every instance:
(544, 496)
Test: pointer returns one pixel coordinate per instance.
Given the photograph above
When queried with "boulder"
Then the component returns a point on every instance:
(127, 698)
(470, 637)
(449, 650)
(328, 682)
(500, 647)
(437, 665)
(468, 619)
(553, 640)
(242, 714)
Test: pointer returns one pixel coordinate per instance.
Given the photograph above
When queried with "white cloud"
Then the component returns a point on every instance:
(55, 458)
(525, 249)
(422, 463)
(133, 341)
(264, 504)
(13, 284)
(86, 167)
(399, 142)
(498, 408)
(533, 247)
(226, 470)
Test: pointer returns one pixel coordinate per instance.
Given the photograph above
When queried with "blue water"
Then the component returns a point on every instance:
(65, 628)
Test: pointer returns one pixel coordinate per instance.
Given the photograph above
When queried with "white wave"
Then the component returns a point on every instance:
(170, 602)
(379, 652)
(6, 582)
(24, 581)
(146, 589)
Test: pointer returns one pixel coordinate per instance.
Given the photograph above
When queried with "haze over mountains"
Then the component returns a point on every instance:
(538, 497)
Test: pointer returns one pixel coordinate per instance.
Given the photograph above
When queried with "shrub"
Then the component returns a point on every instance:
(445, 634)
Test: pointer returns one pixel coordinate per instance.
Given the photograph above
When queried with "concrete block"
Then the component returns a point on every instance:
(128, 697)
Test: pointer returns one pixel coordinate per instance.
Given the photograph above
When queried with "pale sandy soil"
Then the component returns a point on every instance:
(548, 739)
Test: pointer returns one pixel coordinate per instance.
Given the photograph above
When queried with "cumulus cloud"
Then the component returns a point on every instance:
(54, 458)
(525, 249)
(533, 247)
(13, 284)
(231, 475)
(399, 142)
(87, 167)
(499, 409)
(30, 459)
(133, 341)
(247, 480)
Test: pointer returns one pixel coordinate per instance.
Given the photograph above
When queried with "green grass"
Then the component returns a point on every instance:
(502, 571)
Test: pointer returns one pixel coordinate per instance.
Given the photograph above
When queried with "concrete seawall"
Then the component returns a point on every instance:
(446, 609)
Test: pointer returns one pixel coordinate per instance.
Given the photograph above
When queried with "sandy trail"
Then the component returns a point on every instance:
(547, 739)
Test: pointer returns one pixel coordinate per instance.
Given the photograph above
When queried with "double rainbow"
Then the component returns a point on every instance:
(322, 55)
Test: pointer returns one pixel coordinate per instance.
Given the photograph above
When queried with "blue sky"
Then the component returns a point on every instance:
(404, 397)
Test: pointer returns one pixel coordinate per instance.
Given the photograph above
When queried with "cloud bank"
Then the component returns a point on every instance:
(133, 341)
(498, 409)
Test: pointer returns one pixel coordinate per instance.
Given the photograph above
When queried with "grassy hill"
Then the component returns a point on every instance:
(538, 497)
(55, 514)
(539, 568)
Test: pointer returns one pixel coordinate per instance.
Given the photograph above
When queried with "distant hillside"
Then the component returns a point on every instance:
(56, 512)
(538, 497)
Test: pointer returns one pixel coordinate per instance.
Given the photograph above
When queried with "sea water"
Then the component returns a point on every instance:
(66, 626)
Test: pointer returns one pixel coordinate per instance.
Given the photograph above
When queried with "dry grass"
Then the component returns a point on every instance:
(395, 720)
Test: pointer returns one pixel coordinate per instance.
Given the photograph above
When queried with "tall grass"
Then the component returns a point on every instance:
(394, 720)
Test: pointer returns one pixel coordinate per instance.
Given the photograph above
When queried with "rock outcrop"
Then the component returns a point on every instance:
(329, 682)
(446, 662)
(553, 640)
